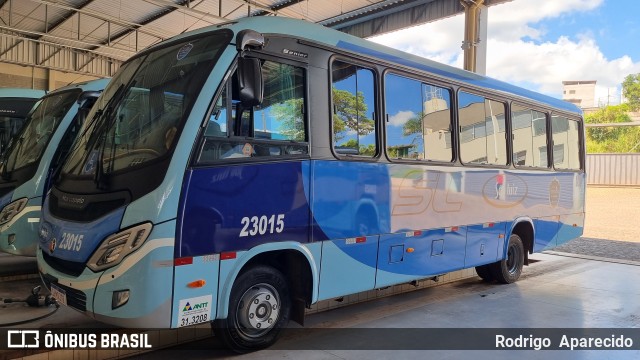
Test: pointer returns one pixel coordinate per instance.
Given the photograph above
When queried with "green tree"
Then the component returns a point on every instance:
(369, 150)
(413, 125)
(289, 114)
(612, 139)
(631, 90)
(350, 113)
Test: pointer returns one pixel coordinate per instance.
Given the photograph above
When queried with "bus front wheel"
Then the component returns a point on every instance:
(508, 270)
(259, 308)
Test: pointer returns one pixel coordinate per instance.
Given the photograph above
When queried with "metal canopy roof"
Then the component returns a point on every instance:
(96, 36)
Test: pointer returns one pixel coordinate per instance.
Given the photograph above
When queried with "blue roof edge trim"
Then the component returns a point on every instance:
(465, 77)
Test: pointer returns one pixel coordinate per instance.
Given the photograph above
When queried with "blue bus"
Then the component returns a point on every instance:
(15, 104)
(237, 174)
(32, 159)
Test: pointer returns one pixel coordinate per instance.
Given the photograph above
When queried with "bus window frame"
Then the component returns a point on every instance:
(581, 145)
(226, 85)
(375, 70)
(455, 156)
(507, 127)
(549, 137)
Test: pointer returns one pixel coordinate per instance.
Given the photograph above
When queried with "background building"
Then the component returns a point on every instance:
(582, 93)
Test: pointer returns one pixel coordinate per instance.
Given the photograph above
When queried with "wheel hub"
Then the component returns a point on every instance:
(258, 308)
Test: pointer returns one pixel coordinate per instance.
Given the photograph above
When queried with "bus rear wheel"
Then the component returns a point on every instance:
(508, 270)
(259, 308)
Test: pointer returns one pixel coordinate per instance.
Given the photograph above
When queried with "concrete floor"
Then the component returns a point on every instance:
(554, 292)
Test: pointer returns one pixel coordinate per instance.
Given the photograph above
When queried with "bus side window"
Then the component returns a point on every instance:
(482, 130)
(566, 143)
(276, 127)
(529, 134)
(418, 120)
(353, 108)
(217, 125)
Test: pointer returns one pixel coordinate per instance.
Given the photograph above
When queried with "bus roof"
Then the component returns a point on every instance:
(330, 37)
(98, 84)
(21, 93)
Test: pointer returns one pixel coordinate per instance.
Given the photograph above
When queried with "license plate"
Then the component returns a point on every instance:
(59, 294)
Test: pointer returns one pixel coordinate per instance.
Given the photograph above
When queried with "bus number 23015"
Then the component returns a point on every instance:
(252, 226)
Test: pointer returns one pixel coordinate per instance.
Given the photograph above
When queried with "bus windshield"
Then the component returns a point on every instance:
(28, 147)
(13, 112)
(139, 117)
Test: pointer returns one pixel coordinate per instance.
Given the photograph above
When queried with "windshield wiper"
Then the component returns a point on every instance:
(6, 173)
(107, 124)
(96, 116)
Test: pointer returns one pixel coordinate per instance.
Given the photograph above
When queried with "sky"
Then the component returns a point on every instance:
(538, 44)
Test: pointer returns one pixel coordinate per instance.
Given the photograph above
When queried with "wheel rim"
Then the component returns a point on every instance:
(258, 310)
(513, 260)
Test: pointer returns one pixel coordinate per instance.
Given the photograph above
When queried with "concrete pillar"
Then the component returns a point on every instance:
(51, 80)
(475, 36)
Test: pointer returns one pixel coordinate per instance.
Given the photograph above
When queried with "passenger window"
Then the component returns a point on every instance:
(529, 131)
(276, 127)
(482, 130)
(418, 120)
(217, 125)
(566, 143)
(353, 101)
(281, 114)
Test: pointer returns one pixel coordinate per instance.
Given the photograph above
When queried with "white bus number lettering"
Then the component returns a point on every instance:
(261, 225)
(72, 242)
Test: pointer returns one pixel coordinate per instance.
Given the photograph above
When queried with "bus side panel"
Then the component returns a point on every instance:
(349, 199)
(237, 207)
(348, 266)
(195, 293)
(572, 224)
(483, 243)
(350, 210)
(546, 232)
(571, 227)
(414, 255)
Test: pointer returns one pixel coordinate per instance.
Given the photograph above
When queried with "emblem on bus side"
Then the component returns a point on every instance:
(184, 51)
(295, 53)
(505, 191)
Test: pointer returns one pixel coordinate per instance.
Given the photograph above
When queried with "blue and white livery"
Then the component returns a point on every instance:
(237, 174)
(32, 160)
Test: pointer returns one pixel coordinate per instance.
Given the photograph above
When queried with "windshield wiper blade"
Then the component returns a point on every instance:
(98, 115)
(107, 124)
(6, 173)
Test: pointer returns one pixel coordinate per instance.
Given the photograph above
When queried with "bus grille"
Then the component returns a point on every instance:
(64, 266)
(75, 298)
(93, 211)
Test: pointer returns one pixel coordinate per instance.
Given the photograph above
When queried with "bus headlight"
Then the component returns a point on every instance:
(114, 248)
(12, 209)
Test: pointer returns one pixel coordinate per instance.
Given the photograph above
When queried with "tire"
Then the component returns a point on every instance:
(508, 270)
(485, 273)
(259, 308)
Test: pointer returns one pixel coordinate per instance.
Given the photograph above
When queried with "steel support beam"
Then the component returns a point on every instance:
(475, 35)
(391, 15)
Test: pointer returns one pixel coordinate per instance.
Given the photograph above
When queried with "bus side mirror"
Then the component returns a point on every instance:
(250, 83)
(249, 38)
